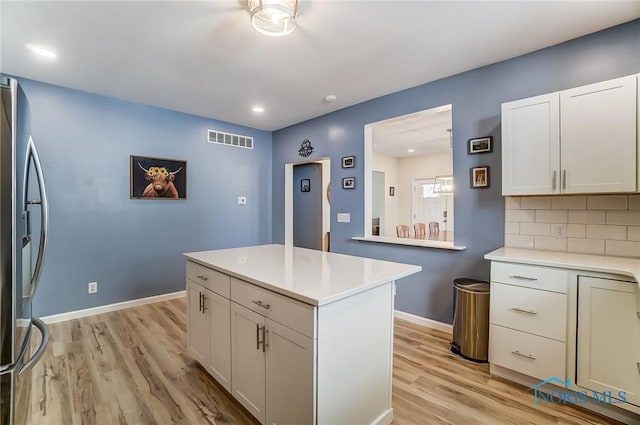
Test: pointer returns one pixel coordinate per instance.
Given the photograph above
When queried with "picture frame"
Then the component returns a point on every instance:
(480, 145)
(349, 183)
(348, 162)
(479, 177)
(305, 185)
(392, 191)
(157, 178)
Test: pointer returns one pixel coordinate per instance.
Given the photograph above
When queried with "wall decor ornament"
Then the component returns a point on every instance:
(349, 183)
(348, 162)
(157, 178)
(305, 185)
(305, 148)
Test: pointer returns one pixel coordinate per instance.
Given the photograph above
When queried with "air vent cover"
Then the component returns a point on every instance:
(229, 139)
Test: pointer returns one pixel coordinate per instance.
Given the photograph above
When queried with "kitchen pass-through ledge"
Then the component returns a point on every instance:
(424, 243)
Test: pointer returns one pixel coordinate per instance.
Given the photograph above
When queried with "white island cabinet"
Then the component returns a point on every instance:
(296, 336)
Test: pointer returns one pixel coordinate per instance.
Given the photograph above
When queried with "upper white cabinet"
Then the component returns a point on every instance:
(531, 145)
(582, 140)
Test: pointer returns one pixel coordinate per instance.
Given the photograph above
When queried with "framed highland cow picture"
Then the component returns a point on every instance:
(157, 178)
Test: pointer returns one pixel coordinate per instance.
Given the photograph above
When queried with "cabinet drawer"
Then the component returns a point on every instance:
(530, 276)
(531, 355)
(291, 313)
(538, 312)
(210, 279)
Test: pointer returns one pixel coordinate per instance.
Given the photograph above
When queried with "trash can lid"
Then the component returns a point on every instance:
(472, 285)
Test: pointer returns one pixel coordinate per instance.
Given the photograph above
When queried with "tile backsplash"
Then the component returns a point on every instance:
(593, 224)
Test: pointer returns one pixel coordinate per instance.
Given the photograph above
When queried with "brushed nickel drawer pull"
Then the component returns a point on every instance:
(553, 184)
(258, 329)
(200, 306)
(564, 179)
(261, 304)
(202, 277)
(204, 307)
(520, 310)
(527, 356)
(264, 338)
(257, 336)
(517, 276)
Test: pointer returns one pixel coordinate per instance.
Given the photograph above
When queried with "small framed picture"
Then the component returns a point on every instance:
(349, 183)
(305, 185)
(479, 177)
(481, 145)
(348, 162)
(392, 191)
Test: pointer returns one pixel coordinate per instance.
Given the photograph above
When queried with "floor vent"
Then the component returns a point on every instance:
(230, 139)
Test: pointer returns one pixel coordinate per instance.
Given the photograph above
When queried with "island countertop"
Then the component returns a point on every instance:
(310, 276)
(597, 263)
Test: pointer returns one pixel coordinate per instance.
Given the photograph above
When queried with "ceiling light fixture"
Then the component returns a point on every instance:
(41, 51)
(258, 108)
(274, 17)
(411, 150)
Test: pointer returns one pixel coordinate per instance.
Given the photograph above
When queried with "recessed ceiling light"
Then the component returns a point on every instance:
(257, 108)
(330, 98)
(41, 51)
(411, 150)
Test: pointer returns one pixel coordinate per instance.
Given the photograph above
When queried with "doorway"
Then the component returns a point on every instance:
(307, 204)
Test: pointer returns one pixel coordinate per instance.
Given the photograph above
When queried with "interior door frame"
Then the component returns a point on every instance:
(288, 200)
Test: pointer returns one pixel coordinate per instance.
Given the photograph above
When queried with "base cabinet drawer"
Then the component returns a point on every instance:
(529, 354)
(213, 280)
(536, 277)
(538, 312)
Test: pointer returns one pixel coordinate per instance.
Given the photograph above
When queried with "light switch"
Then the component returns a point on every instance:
(242, 200)
(344, 218)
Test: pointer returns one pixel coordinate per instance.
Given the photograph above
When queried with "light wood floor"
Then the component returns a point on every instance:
(131, 367)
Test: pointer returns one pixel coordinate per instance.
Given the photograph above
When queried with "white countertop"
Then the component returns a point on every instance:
(596, 263)
(313, 277)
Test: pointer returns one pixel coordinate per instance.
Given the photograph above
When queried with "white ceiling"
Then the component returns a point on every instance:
(204, 57)
(424, 132)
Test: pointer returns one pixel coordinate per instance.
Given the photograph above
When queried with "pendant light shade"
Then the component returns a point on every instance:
(274, 17)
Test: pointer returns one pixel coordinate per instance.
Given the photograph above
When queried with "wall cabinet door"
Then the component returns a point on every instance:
(608, 337)
(197, 326)
(218, 312)
(531, 146)
(248, 360)
(598, 137)
(290, 372)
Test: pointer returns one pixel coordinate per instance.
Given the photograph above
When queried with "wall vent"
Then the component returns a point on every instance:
(229, 139)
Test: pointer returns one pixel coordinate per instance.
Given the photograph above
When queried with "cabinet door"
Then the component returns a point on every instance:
(197, 326)
(248, 360)
(608, 337)
(290, 372)
(598, 137)
(218, 311)
(530, 146)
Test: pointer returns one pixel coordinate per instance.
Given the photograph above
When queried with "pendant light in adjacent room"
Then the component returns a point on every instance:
(274, 17)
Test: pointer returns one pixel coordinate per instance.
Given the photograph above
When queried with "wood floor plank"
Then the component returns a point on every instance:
(131, 367)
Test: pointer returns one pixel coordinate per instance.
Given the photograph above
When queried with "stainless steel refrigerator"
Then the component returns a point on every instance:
(23, 237)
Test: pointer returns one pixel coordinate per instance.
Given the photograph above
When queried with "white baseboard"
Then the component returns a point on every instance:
(55, 318)
(444, 327)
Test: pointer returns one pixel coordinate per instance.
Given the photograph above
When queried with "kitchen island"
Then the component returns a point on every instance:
(296, 336)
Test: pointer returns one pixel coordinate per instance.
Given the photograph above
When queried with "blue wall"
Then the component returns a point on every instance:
(476, 97)
(132, 247)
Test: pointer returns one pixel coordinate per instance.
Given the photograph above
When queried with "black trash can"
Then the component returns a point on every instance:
(471, 319)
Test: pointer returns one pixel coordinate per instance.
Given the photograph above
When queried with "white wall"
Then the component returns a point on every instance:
(390, 166)
(421, 167)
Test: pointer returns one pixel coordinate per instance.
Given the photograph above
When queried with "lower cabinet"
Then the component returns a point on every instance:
(608, 354)
(209, 331)
(272, 369)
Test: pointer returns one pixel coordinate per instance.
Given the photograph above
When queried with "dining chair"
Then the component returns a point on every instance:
(402, 231)
(434, 227)
(420, 230)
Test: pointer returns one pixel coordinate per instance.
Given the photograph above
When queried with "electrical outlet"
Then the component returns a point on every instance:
(344, 218)
(559, 230)
(242, 200)
(93, 287)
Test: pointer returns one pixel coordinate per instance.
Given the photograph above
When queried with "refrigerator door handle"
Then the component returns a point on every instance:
(44, 330)
(32, 154)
